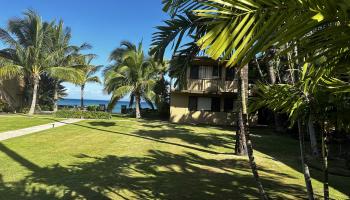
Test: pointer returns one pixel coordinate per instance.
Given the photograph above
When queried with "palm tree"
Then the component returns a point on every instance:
(30, 52)
(66, 54)
(131, 73)
(87, 75)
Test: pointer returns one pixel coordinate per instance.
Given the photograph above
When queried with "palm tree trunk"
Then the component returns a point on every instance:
(259, 69)
(325, 164)
(82, 96)
(312, 135)
(35, 94)
(272, 77)
(243, 88)
(304, 165)
(137, 106)
(241, 144)
(55, 98)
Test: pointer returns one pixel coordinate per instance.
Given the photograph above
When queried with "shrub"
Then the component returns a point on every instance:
(25, 110)
(82, 114)
(46, 107)
(92, 108)
(5, 107)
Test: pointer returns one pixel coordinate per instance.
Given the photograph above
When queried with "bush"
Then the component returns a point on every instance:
(46, 107)
(5, 107)
(25, 110)
(92, 108)
(82, 114)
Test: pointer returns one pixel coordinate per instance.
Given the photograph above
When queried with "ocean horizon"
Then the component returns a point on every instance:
(90, 102)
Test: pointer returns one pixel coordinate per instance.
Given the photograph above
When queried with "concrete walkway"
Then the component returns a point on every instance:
(25, 131)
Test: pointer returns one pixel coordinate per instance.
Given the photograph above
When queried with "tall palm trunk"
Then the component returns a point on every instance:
(35, 94)
(243, 88)
(241, 144)
(137, 106)
(55, 98)
(325, 163)
(272, 77)
(82, 88)
(304, 165)
(312, 135)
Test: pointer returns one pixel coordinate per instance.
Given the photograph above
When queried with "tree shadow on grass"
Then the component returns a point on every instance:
(102, 123)
(157, 175)
(289, 154)
(203, 140)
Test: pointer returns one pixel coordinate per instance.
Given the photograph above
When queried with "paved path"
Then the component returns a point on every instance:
(34, 129)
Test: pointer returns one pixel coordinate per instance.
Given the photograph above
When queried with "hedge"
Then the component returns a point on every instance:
(82, 114)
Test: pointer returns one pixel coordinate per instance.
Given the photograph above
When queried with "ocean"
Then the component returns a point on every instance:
(88, 102)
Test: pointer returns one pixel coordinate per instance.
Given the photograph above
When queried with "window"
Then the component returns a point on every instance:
(204, 103)
(215, 104)
(205, 72)
(194, 72)
(217, 71)
(230, 74)
(192, 103)
(228, 104)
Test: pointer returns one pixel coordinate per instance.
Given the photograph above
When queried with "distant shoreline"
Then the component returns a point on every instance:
(90, 102)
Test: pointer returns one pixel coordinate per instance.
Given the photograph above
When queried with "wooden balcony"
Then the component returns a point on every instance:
(209, 86)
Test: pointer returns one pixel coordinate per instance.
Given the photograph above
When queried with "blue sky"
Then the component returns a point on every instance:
(102, 23)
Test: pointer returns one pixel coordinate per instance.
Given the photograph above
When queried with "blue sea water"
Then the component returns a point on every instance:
(88, 102)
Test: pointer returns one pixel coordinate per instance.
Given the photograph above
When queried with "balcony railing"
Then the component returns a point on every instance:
(210, 85)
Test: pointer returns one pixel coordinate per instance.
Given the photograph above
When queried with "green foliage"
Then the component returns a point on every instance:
(92, 108)
(162, 98)
(35, 48)
(82, 114)
(46, 93)
(5, 107)
(314, 93)
(131, 73)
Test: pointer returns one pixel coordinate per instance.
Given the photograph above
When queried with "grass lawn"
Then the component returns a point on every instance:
(13, 122)
(150, 160)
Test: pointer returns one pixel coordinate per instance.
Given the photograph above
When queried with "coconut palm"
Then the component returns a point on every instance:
(87, 73)
(131, 73)
(66, 54)
(30, 51)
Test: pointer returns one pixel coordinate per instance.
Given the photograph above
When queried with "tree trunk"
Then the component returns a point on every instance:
(304, 165)
(325, 164)
(82, 96)
(312, 135)
(259, 69)
(55, 98)
(243, 88)
(137, 106)
(272, 77)
(240, 147)
(35, 94)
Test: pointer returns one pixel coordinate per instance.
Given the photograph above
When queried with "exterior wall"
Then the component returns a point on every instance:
(208, 87)
(11, 91)
(179, 112)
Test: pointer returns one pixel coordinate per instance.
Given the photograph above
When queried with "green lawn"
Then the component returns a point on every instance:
(150, 160)
(13, 122)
